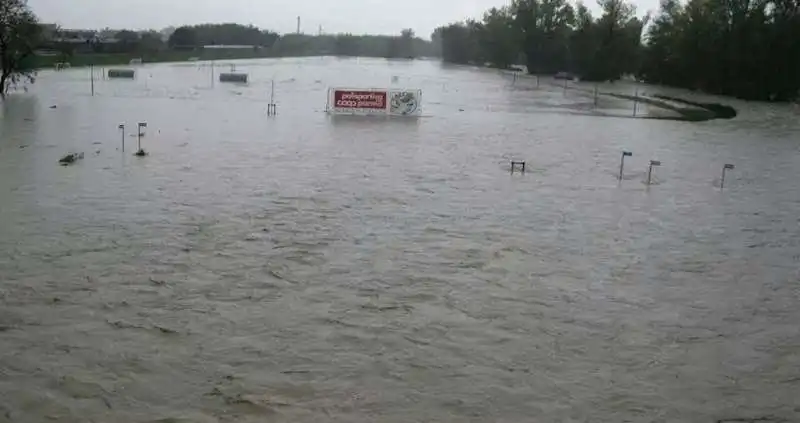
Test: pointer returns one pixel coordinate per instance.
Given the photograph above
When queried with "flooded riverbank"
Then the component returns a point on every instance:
(305, 268)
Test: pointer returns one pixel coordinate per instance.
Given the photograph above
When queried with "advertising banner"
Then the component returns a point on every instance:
(355, 100)
(374, 101)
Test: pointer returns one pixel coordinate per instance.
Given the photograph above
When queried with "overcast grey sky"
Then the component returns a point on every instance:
(355, 16)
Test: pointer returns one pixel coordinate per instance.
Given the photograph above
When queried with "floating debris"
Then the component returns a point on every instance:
(70, 159)
(157, 282)
(140, 153)
(165, 330)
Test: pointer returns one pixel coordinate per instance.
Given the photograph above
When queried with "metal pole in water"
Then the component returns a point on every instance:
(122, 130)
(622, 162)
(724, 168)
(635, 101)
(91, 69)
(595, 95)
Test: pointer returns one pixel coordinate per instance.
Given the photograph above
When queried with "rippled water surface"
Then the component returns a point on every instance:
(303, 268)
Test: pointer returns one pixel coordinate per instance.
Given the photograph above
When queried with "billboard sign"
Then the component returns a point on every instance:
(396, 102)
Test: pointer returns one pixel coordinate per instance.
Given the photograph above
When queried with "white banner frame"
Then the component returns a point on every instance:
(397, 102)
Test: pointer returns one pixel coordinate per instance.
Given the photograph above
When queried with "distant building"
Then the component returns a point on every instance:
(76, 36)
(228, 47)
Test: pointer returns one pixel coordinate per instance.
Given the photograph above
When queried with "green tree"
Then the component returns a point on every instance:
(617, 41)
(20, 34)
(745, 48)
(127, 41)
(459, 42)
(406, 43)
(498, 37)
(545, 27)
(583, 43)
(151, 42)
(183, 37)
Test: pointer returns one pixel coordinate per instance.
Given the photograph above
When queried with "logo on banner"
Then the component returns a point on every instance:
(403, 102)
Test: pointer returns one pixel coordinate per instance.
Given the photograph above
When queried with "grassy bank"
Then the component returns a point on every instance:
(698, 113)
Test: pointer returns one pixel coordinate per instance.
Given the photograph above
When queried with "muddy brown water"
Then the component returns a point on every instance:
(303, 268)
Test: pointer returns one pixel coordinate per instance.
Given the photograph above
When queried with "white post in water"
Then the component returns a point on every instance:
(653, 163)
(622, 163)
(212, 74)
(724, 168)
(122, 130)
(91, 70)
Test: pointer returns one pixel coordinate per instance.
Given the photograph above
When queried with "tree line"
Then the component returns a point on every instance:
(745, 48)
(221, 34)
(404, 45)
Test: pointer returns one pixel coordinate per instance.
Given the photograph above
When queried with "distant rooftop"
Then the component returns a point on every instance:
(226, 46)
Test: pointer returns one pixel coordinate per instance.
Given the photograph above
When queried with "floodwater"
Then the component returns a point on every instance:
(301, 268)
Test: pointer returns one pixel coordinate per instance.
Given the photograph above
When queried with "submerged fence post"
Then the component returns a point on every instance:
(653, 163)
(141, 126)
(122, 130)
(635, 101)
(272, 108)
(622, 163)
(91, 70)
(724, 168)
(595, 95)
